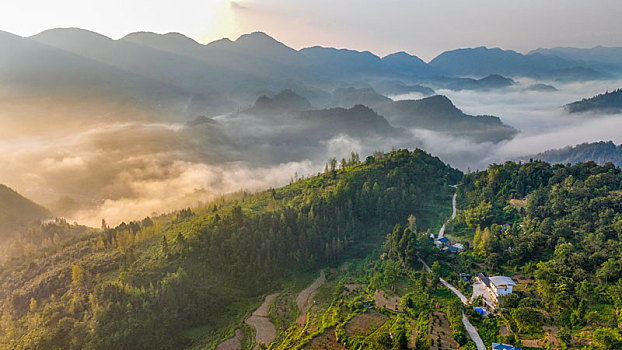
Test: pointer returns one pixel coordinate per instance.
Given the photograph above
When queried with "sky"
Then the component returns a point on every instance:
(423, 28)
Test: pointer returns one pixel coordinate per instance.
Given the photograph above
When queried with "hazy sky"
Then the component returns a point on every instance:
(424, 28)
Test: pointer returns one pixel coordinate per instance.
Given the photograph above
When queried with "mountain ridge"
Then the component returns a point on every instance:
(18, 212)
(599, 152)
(605, 103)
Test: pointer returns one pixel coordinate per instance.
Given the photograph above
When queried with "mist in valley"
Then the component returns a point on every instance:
(128, 170)
(543, 122)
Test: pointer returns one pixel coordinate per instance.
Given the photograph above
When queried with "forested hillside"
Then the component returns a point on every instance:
(559, 228)
(599, 152)
(183, 279)
(607, 103)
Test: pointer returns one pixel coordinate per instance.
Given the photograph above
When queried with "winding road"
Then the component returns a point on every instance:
(441, 232)
(471, 330)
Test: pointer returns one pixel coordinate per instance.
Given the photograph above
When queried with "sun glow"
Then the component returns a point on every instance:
(201, 19)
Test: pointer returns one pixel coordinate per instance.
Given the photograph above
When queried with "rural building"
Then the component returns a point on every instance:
(441, 242)
(496, 346)
(456, 247)
(497, 285)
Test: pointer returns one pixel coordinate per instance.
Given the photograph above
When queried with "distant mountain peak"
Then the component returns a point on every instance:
(151, 36)
(405, 63)
(70, 34)
(258, 37)
(439, 100)
(398, 54)
(286, 100)
(221, 41)
(351, 96)
(255, 35)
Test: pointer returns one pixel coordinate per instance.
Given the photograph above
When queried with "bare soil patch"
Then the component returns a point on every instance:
(265, 332)
(305, 298)
(365, 324)
(351, 287)
(551, 336)
(440, 332)
(325, 340)
(533, 343)
(503, 330)
(388, 302)
(518, 203)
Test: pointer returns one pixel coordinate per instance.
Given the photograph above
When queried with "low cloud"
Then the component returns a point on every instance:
(128, 171)
(122, 171)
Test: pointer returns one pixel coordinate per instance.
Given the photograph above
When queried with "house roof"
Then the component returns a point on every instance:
(502, 281)
(443, 239)
(484, 279)
(496, 346)
(453, 249)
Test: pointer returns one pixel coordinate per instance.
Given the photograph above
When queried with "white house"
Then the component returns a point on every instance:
(497, 285)
(501, 285)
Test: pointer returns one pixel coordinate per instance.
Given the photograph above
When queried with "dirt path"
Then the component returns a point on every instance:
(265, 332)
(232, 343)
(388, 302)
(305, 298)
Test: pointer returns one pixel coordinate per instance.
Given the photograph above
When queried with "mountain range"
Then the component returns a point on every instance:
(171, 74)
(483, 61)
(369, 113)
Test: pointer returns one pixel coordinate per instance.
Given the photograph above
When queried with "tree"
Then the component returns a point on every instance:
(606, 338)
(412, 223)
(78, 275)
(610, 270)
(332, 164)
(33, 304)
(436, 268)
(564, 335)
(526, 317)
(164, 246)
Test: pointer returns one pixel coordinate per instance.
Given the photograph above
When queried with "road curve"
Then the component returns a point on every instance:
(471, 330)
(454, 210)
(464, 299)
